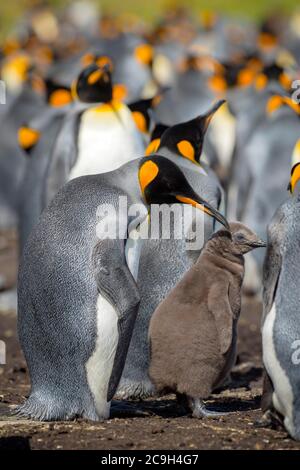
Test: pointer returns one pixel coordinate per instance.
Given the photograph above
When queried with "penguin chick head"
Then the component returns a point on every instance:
(237, 241)
(244, 239)
(162, 182)
(186, 139)
(94, 84)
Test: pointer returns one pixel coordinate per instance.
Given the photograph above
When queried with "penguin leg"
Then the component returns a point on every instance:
(199, 409)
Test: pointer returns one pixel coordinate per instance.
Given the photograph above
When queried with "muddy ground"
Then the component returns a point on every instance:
(163, 426)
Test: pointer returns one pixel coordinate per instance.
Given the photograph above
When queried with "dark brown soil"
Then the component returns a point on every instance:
(163, 427)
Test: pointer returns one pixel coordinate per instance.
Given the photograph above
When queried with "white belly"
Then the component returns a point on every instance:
(283, 394)
(100, 364)
(106, 141)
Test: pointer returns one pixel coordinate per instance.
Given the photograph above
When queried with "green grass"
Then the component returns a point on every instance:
(11, 10)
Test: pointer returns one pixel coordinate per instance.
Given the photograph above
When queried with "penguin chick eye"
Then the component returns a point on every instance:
(240, 238)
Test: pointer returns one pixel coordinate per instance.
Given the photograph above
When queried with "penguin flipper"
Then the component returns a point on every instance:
(219, 306)
(116, 283)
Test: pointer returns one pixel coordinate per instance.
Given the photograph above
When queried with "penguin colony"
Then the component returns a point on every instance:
(198, 113)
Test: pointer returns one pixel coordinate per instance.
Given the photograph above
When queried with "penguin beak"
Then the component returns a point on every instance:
(258, 243)
(199, 203)
(210, 113)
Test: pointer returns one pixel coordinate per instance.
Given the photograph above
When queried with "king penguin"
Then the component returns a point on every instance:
(77, 296)
(280, 325)
(98, 135)
(164, 261)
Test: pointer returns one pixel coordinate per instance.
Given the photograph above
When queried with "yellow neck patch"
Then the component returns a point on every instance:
(27, 137)
(140, 121)
(60, 97)
(111, 107)
(295, 176)
(148, 172)
(186, 149)
(144, 53)
(152, 147)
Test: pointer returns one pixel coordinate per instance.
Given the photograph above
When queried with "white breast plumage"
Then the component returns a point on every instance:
(283, 394)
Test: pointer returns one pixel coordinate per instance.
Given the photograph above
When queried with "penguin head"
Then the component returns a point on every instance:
(243, 239)
(273, 73)
(155, 138)
(57, 95)
(294, 179)
(94, 84)
(186, 139)
(237, 240)
(162, 182)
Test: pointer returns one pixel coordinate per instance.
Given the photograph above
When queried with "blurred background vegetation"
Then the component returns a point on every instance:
(11, 10)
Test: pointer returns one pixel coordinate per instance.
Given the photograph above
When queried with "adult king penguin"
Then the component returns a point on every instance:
(163, 262)
(98, 135)
(77, 296)
(281, 326)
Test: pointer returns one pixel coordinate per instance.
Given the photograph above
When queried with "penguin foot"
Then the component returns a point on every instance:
(138, 390)
(199, 409)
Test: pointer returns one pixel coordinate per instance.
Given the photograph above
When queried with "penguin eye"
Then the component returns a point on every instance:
(240, 237)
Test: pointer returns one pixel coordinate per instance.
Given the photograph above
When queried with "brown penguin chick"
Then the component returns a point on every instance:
(193, 331)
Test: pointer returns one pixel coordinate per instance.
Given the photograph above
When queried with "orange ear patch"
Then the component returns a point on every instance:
(140, 121)
(274, 103)
(261, 81)
(94, 77)
(27, 137)
(186, 149)
(152, 147)
(245, 77)
(285, 81)
(144, 53)
(295, 176)
(119, 92)
(60, 97)
(148, 172)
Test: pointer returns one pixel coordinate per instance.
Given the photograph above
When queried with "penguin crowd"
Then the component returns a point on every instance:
(196, 117)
